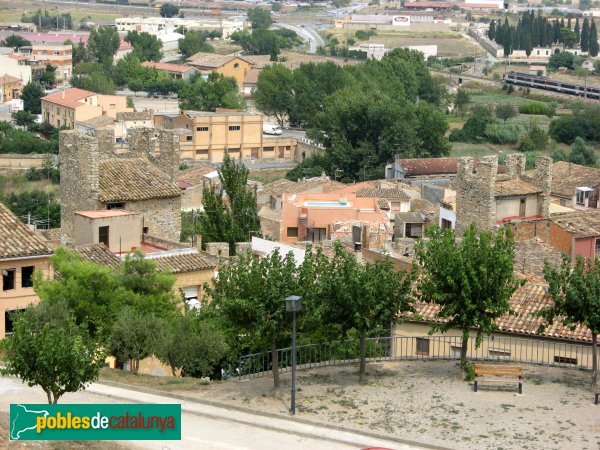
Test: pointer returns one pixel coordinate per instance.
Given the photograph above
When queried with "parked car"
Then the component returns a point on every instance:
(272, 129)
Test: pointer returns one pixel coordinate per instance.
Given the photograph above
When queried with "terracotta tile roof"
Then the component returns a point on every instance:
(279, 187)
(251, 76)
(383, 203)
(53, 234)
(425, 207)
(98, 254)
(6, 79)
(134, 115)
(195, 175)
(98, 122)
(167, 67)
(530, 255)
(134, 179)
(525, 302)
(189, 262)
(579, 223)
(16, 239)
(284, 186)
(410, 217)
(568, 176)
(71, 97)
(416, 167)
(270, 214)
(509, 188)
(383, 193)
(211, 60)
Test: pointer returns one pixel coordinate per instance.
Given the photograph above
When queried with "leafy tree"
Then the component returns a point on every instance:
(23, 118)
(31, 96)
(168, 10)
(230, 209)
(91, 76)
(276, 6)
(194, 42)
(505, 111)
(134, 336)
(365, 298)
(568, 37)
(48, 78)
(274, 92)
(15, 41)
(38, 204)
(146, 46)
(49, 350)
(461, 100)
(566, 128)
(585, 36)
(534, 140)
(199, 353)
(561, 59)
(593, 40)
(103, 44)
(260, 18)
(471, 280)
(217, 91)
(248, 295)
(575, 292)
(581, 153)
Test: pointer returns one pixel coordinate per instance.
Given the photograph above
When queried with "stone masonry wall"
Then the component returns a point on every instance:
(78, 178)
(475, 194)
(542, 178)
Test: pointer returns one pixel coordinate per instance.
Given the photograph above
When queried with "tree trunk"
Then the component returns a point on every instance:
(362, 377)
(275, 364)
(594, 361)
(464, 346)
(49, 394)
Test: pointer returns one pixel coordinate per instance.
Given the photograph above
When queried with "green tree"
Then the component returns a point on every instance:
(593, 39)
(168, 10)
(248, 296)
(39, 205)
(471, 280)
(15, 41)
(584, 41)
(146, 46)
(274, 92)
(364, 298)
(462, 100)
(134, 336)
(276, 6)
(31, 96)
(505, 111)
(48, 78)
(217, 91)
(260, 18)
(199, 353)
(568, 37)
(103, 44)
(230, 209)
(194, 42)
(49, 350)
(534, 140)
(581, 153)
(91, 76)
(23, 118)
(575, 293)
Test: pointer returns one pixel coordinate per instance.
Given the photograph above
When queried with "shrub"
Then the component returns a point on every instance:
(566, 128)
(535, 139)
(502, 133)
(536, 108)
(473, 130)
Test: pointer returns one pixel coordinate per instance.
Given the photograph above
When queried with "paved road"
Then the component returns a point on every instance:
(307, 33)
(209, 427)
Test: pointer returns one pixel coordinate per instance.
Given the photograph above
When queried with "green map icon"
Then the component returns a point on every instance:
(23, 420)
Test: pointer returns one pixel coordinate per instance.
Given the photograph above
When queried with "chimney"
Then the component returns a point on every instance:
(358, 252)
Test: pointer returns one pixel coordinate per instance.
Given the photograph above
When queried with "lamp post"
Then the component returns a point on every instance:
(293, 304)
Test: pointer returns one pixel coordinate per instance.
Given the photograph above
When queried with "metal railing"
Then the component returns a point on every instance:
(511, 349)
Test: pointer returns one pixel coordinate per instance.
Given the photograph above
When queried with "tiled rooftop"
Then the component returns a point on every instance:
(269, 214)
(179, 68)
(514, 187)
(383, 193)
(580, 223)
(134, 179)
(16, 239)
(190, 262)
(212, 60)
(98, 254)
(530, 255)
(195, 175)
(566, 177)
(72, 97)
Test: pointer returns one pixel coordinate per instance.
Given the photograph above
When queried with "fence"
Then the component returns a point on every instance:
(533, 351)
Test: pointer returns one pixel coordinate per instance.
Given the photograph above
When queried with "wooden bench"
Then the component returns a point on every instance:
(499, 373)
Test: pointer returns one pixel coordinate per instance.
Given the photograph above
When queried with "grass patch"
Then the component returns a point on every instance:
(267, 175)
(152, 382)
(477, 150)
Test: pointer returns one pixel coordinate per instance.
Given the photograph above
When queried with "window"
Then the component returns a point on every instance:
(446, 224)
(189, 138)
(27, 276)
(499, 352)
(8, 321)
(582, 196)
(597, 246)
(145, 230)
(236, 66)
(317, 234)
(201, 152)
(234, 128)
(115, 205)
(201, 128)
(422, 346)
(565, 360)
(8, 279)
(103, 235)
(293, 232)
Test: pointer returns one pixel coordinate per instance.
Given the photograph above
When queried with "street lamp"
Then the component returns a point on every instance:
(293, 304)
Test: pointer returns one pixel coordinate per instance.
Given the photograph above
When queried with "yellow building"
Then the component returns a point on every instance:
(72, 105)
(227, 65)
(22, 251)
(10, 87)
(205, 136)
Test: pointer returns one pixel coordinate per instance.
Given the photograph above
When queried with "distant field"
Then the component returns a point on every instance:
(460, 149)
(449, 43)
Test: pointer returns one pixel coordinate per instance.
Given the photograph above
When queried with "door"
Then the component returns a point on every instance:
(522, 208)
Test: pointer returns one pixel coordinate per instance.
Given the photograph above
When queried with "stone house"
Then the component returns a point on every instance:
(22, 252)
(489, 199)
(142, 179)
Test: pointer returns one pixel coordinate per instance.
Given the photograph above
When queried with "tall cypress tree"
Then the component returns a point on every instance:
(593, 39)
(492, 31)
(577, 30)
(585, 36)
(555, 31)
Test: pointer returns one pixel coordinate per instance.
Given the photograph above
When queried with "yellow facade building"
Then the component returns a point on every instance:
(227, 65)
(206, 136)
(10, 88)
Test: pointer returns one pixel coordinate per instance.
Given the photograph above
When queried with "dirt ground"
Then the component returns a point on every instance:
(427, 401)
